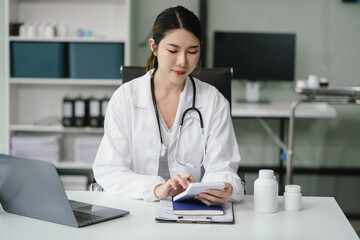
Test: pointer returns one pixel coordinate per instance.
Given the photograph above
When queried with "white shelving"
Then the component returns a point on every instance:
(66, 39)
(53, 129)
(66, 81)
(34, 99)
(71, 165)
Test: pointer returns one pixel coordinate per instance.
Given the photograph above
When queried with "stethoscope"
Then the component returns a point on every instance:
(192, 108)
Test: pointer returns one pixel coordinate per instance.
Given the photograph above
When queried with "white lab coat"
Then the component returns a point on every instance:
(127, 160)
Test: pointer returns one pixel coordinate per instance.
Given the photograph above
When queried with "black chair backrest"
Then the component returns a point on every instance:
(218, 77)
(129, 73)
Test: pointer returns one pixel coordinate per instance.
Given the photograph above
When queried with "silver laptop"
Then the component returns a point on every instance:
(32, 188)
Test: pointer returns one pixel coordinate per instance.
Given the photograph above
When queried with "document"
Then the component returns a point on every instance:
(195, 188)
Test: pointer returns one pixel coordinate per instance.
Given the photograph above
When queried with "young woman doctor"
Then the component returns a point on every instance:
(141, 154)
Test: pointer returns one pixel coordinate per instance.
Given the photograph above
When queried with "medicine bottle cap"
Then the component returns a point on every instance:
(292, 188)
(266, 173)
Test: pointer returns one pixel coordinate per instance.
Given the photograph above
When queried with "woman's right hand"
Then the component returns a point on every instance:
(173, 186)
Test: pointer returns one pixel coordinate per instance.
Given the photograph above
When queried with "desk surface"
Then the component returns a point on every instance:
(321, 218)
(282, 110)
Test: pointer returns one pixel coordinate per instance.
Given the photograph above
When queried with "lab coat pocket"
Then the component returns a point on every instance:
(194, 158)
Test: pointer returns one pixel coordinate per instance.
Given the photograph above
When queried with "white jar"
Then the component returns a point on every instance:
(23, 31)
(313, 81)
(62, 30)
(266, 192)
(49, 31)
(292, 198)
(31, 31)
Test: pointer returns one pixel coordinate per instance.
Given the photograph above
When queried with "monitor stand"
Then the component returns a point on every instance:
(252, 94)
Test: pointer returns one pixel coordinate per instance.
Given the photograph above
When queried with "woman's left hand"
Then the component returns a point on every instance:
(216, 197)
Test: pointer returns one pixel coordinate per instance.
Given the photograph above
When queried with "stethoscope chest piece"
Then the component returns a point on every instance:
(163, 150)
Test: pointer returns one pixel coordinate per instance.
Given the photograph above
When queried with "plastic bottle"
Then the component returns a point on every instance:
(266, 192)
(292, 198)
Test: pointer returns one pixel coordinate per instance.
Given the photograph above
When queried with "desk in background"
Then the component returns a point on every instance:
(282, 112)
(321, 95)
(321, 218)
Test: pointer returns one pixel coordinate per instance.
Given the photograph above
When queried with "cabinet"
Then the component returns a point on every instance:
(32, 100)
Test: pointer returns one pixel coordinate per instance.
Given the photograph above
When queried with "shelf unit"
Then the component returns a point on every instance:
(34, 99)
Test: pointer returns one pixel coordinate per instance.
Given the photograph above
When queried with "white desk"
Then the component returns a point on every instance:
(320, 95)
(321, 218)
(281, 110)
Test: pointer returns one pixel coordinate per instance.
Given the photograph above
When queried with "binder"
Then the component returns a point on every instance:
(80, 112)
(165, 214)
(68, 112)
(195, 207)
(103, 107)
(94, 113)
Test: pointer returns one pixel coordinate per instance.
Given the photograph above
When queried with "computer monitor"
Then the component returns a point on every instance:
(256, 57)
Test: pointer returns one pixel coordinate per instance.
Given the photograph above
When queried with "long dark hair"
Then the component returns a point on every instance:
(172, 18)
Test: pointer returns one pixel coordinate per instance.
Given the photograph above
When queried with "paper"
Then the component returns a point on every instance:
(165, 210)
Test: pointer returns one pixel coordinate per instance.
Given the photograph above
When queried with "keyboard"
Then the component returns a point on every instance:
(85, 217)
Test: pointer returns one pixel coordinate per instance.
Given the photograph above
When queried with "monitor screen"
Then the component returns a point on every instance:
(256, 56)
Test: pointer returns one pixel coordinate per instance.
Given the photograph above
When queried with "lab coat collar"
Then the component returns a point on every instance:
(143, 99)
(142, 95)
(189, 91)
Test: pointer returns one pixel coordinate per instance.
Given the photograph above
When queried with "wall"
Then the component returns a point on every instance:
(3, 85)
(328, 44)
(328, 37)
(143, 16)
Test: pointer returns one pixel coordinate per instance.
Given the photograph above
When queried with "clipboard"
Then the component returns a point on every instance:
(165, 214)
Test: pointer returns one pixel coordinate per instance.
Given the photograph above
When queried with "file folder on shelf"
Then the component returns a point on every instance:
(103, 107)
(68, 112)
(94, 113)
(80, 112)
(165, 214)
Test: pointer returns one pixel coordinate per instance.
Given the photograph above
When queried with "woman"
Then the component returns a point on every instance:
(139, 156)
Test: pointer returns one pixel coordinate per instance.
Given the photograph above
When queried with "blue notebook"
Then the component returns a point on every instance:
(196, 207)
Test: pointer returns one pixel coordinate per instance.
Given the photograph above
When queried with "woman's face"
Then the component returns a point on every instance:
(178, 53)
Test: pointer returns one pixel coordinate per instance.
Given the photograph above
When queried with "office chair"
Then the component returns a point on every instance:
(219, 78)
(129, 73)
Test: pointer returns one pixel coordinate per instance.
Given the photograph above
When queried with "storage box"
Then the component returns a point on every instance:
(38, 59)
(95, 60)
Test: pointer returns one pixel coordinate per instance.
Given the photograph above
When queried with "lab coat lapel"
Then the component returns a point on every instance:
(143, 101)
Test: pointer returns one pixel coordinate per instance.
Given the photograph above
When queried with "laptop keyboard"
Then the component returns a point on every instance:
(85, 217)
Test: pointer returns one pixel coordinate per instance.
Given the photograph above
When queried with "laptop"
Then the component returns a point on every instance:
(32, 188)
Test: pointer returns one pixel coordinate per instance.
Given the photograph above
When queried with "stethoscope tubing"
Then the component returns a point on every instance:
(192, 108)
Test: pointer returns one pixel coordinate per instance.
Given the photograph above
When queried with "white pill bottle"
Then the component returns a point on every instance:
(266, 192)
(292, 198)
